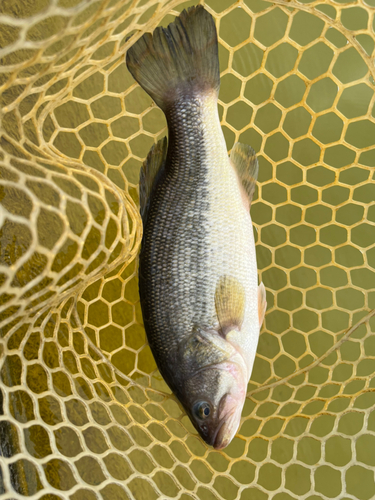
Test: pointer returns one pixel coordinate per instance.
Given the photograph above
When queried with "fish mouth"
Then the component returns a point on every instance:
(229, 421)
(227, 429)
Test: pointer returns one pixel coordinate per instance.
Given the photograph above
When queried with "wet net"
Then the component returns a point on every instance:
(84, 414)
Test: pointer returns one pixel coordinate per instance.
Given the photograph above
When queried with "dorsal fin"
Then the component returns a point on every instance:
(245, 162)
(153, 164)
(229, 303)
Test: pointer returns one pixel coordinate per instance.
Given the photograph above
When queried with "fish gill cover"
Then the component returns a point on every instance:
(297, 85)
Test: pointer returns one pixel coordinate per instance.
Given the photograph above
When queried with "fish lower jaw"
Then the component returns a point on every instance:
(227, 430)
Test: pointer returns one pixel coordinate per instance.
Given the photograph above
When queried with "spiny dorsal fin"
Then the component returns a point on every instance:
(154, 163)
(262, 303)
(245, 162)
(229, 303)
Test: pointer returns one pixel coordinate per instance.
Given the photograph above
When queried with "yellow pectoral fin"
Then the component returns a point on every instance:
(262, 303)
(229, 303)
(233, 336)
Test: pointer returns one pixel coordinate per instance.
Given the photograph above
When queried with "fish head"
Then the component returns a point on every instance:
(214, 399)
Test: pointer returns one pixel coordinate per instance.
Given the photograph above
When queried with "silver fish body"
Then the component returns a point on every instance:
(197, 267)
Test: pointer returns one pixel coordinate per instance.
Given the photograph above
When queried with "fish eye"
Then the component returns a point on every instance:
(202, 409)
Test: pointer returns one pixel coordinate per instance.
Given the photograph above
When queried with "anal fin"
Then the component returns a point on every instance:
(153, 164)
(262, 303)
(245, 162)
(229, 303)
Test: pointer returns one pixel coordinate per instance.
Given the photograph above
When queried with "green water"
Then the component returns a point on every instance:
(301, 95)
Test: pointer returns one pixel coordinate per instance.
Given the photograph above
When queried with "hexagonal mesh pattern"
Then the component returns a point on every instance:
(84, 414)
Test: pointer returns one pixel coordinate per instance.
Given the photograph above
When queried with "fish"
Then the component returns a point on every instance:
(201, 304)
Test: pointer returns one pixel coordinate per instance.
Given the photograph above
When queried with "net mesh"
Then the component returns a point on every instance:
(84, 414)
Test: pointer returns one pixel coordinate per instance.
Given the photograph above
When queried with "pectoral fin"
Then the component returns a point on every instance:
(262, 303)
(229, 303)
(245, 162)
(154, 164)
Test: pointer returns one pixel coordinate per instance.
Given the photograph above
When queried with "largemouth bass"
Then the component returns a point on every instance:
(201, 304)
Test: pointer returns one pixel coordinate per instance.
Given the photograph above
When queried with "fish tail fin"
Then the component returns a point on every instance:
(179, 60)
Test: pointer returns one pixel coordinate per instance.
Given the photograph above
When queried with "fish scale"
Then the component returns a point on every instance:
(180, 200)
(197, 266)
